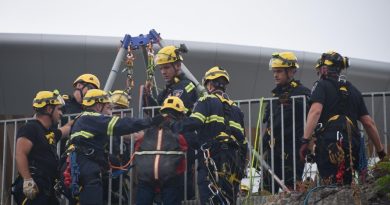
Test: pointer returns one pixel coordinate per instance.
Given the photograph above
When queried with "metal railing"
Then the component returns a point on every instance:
(376, 102)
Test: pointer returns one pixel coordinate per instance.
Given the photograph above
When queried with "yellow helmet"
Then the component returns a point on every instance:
(120, 98)
(168, 54)
(333, 59)
(283, 60)
(174, 103)
(44, 98)
(214, 73)
(87, 78)
(96, 96)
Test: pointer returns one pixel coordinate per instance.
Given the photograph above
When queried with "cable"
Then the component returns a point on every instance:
(306, 200)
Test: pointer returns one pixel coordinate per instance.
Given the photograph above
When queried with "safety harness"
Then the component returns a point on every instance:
(341, 121)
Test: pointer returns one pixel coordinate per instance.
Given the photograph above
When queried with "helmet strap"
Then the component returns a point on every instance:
(43, 111)
(102, 108)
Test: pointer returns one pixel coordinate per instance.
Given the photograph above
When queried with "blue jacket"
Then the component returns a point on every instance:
(92, 129)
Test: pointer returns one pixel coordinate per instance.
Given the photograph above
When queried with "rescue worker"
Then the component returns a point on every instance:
(337, 105)
(36, 155)
(168, 60)
(160, 158)
(120, 101)
(219, 123)
(284, 66)
(89, 137)
(73, 103)
(81, 85)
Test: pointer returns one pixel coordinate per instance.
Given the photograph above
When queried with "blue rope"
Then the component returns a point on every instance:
(362, 155)
(120, 172)
(75, 173)
(305, 202)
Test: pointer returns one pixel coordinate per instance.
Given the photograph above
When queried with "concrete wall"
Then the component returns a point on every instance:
(32, 62)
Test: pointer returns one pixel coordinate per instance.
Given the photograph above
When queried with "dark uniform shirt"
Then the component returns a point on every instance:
(294, 88)
(182, 88)
(325, 91)
(43, 155)
(208, 118)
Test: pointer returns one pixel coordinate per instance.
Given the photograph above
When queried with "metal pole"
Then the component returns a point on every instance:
(261, 145)
(272, 147)
(121, 176)
(131, 171)
(13, 158)
(185, 178)
(385, 121)
(117, 63)
(4, 165)
(266, 167)
(373, 116)
(250, 134)
(294, 148)
(282, 121)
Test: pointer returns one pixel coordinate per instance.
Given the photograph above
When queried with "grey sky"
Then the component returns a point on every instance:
(355, 28)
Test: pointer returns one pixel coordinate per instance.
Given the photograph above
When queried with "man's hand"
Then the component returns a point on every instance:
(304, 149)
(381, 154)
(148, 86)
(30, 188)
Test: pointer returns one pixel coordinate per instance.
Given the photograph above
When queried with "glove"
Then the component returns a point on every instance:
(303, 149)
(30, 188)
(381, 154)
(157, 120)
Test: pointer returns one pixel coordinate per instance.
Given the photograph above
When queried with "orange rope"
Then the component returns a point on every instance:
(124, 167)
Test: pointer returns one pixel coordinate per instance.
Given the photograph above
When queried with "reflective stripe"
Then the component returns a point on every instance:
(199, 116)
(110, 129)
(24, 201)
(158, 148)
(215, 118)
(206, 96)
(189, 87)
(335, 117)
(236, 125)
(160, 152)
(90, 113)
(83, 134)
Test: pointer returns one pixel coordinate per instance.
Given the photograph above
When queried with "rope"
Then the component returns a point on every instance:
(258, 124)
(124, 167)
(307, 197)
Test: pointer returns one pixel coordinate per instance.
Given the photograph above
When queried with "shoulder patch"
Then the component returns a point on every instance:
(177, 93)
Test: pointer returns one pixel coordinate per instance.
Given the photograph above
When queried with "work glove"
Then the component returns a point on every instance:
(381, 154)
(303, 150)
(30, 188)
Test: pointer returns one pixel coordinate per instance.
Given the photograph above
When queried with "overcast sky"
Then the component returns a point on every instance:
(355, 28)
